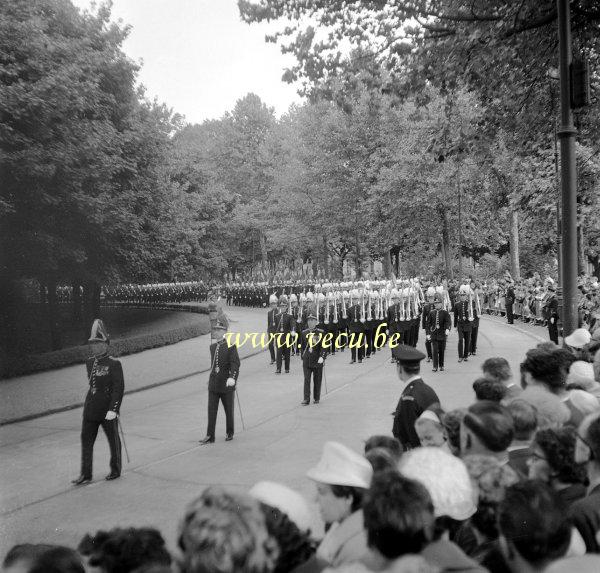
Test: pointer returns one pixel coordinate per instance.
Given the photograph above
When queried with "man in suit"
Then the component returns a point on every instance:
(464, 315)
(438, 327)
(224, 372)
(313, 357)
(271, 326)
(415, 399)
(551, 312)
(102, 404)
(509, 300)
(285, 327)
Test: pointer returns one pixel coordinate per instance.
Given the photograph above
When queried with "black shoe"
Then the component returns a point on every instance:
(272, 362)
(465, 359)
(229, 437)
(277, 371)
(352, 361)
(460, 359)
(360, 361)
(441, 368)
(207, 440)
(315, 401)
(287, 372)
(473, 353)
(434, 370)
(81, 480)
(112, 475)
(305, 402)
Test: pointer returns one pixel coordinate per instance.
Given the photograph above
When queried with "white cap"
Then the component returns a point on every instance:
(578, 338)
(339, 465)
(310, 296)
(430, 291)
(293, 298)
(585, 402)
(285, 500)
(273, 299)
(446, 479)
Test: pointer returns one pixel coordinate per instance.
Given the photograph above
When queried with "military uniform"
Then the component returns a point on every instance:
(438, 322)
(311, 354)
(464, 315)
(225, 364)
(284, 327)
(415, 399)
(356, 329)
(551, 314)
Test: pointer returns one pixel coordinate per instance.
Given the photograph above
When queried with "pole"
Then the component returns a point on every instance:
(566, 134)
(460, 237)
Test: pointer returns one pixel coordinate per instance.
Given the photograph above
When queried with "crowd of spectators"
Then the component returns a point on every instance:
(510, 483)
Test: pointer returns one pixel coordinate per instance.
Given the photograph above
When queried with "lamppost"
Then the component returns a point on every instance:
(566, 133)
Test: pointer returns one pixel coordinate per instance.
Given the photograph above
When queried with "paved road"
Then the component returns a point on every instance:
(168, 467)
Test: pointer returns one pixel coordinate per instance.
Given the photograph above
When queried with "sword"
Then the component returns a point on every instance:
(240, 409)
(325, 380)
(123, 438)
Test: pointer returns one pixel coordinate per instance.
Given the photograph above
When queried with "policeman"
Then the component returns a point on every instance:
(313, 357)
(285, 327)
(551, 313)
(102, 404)
(427, 308)
(415, 399)
(438, 327)
(464, 315)
(224, 372)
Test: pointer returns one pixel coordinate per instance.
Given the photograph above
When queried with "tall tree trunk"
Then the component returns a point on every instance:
(263, 252)
(515, 266)
(387, 263)
(53, 316)
(446, 250)
(358, 255)
(326, 256)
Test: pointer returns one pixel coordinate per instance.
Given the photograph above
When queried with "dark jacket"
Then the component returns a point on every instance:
(585, 514)
(271, 325)
(354, 323)
(461, 315)
(311, 354)
(106, 387)
(225, 363)
(284, 322)
(444, 323)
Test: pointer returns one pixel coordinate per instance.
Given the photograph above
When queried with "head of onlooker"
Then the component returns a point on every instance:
(552, 459)
(447, 480)
(226, 531)
(381, 459)
(524, 417)
(389, 443)
(486, 389)
(587, 447)
(125, 549)
(342, 476)
(20, 558)
(487, 429)
(399, 520)
(408, 362)
(534, 529)
(49, 559)
(497, 368)
(288, 521)
(430, 429)
(544, 368)
(452, 422)
(491, 478)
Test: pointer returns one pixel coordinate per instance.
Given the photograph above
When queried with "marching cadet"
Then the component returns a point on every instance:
(415, 399)
(313, 358)
(438, 328)
(271, 325)
(427, 308)
(285, 328)
(224, 372)
(464, 315)
(102, 404)
(356, 328)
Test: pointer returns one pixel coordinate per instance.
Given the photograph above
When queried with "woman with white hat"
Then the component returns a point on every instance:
(342, 476)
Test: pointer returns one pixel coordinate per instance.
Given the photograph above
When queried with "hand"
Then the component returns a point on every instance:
(552, 320)
(230, 382)
(428, 337)
(320, 361)
(110, 415)
(447, 331)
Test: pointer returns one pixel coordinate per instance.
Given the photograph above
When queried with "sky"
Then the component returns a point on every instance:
(200, 58)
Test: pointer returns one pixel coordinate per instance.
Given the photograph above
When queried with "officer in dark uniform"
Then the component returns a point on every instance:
(438, 327)
(271, 325)
(102, 404)
(464, 315)
(356, 330)
(415, 399)
(285, 326)
(313, 357)
(224, 372)
(509, 300)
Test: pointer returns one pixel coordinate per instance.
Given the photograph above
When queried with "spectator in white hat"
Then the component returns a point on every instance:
(454, 501)
(577, 341)
(342, 478)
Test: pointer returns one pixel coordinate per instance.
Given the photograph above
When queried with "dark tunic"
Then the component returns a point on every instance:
(106, 388)
(415, 399)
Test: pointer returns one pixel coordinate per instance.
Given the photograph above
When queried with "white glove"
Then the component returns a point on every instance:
(428, 337)
(110, 415)
(552, 320)
(230, 382)
(447, 331)
(320, 361)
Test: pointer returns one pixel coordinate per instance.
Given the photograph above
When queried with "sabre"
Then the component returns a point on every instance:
(325, 380)
(123, 438)
(240, 409)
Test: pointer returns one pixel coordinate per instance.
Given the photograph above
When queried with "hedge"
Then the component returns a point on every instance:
(20, 365)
